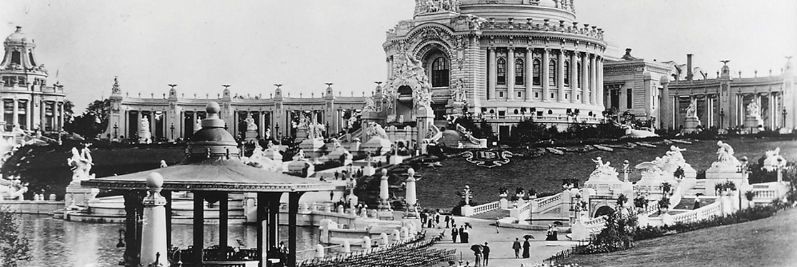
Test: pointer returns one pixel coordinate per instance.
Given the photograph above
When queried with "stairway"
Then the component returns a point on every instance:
(700, 187)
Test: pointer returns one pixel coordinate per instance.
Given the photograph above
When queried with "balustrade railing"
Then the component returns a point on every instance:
(704, 213)
(486, 207)
(548, 202)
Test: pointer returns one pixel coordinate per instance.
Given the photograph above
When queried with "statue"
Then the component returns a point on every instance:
(80, 164)
(691, 110)
(458, 91)
(250, 123)
(603, 169)
(197, 125)
(773, 160)
(115, 89)
(753, 110)
(725, 152)
(374, 129)
(369, 105)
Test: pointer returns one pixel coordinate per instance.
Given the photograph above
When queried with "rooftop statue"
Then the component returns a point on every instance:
(250, 123)
(603, 169)
(432, 6)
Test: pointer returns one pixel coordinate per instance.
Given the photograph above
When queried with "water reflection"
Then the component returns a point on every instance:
(57, 242)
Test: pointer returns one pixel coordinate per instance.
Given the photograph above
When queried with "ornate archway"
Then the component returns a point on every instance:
(603, 210)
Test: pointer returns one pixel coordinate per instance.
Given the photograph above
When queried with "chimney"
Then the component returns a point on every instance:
(689, 67)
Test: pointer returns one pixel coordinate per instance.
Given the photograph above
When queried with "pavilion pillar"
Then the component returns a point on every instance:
(293, 209)
(262, 212)
(153, 243)
(168, 196)
(273, 220)
(199, 228)
(131, 255)
(223, 219)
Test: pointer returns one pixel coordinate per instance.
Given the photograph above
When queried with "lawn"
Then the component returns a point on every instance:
(765, 242)
(439, 185)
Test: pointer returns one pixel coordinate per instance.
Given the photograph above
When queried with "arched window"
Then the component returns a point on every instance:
(501, 71)
(552, 73)
(567, 73)
(519, 72)
(440, 72)
(578, 76)
(536, 71)
(16, 57)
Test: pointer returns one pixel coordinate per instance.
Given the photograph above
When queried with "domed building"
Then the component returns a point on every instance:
(505, 60)
(28, 102)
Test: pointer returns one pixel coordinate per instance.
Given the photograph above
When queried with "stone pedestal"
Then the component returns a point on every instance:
(690, 124)
(301, 168)
(250, 136)
(716, 176)
(752, 124)
(144, 137)
(153, 232)
(78, 196)
(312, 148)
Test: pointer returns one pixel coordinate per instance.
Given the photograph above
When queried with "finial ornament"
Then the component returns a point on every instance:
(278, 85)
(725, 62)
(172, 85)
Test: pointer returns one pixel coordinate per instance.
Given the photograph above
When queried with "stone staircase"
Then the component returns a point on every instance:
(700, 187)
(688, 203)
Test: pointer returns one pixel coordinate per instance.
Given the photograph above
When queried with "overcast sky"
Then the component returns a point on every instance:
(251, 45)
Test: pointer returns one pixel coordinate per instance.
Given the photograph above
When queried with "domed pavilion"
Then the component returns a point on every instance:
(211, 170)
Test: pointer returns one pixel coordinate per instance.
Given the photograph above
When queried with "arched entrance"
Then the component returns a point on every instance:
(603, 210)
(404, 103)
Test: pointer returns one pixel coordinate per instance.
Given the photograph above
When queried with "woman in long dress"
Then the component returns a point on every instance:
(526, 246)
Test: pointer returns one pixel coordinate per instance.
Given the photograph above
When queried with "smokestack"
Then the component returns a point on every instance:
(689, 67)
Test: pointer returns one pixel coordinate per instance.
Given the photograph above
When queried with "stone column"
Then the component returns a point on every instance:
(529, 73)
(492, 73)
(560, 76)
(510, 74)
(544, 79)
(15, 119)
(584, 79)
(593, 82)
(153, 232)
(573, 76)
(772, 111)
(599, 81)
(410, 197)
(383, 192)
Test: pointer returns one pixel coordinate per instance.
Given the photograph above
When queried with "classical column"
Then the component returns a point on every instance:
(261, 118)
(772, 111)
(560, 75)
(529, 73)
(60, 116)
(584, 79)
(492, 73)
(15, 119)
(199, 227)
(293, 209)
(510, 74)
(599, 81)
(573, 76)
(544, 79)
(593, 81)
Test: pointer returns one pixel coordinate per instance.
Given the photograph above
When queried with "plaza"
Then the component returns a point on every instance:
(513, 118)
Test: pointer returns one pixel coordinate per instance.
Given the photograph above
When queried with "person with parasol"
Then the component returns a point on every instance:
(527, 246)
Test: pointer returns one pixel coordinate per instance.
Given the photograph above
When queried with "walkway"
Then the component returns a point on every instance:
(501, 253)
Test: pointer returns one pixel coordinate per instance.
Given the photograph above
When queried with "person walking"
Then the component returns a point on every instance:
(516, 247)
(478, 254)
(454, 234)
(486, 253)
(461, 235)
(526, 246)
(497, 226)
(448, 220)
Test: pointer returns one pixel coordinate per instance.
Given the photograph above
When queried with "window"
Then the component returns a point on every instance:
(536, 72)
(501, 71)
(536, 95)
(567, 73)
(628, 99)
(440, 72)
(519, 94)
(552, 73)
(500, 94)
(519, 73)
(16, 58)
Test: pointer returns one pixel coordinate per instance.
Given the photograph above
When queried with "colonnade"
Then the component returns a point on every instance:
(25, 117)
(709, 105)
(584, 75)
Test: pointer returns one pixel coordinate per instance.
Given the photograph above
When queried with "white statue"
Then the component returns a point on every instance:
(80, 164)
(725, 152)
(773, 160)
(374, 129)
(458, 91)
(691, 110)
(753, 110)
(197, 125)
(370, 106)
(250, 123)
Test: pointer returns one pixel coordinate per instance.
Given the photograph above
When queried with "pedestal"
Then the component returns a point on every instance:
(312, 148)
(752, 124)
(301, 168)
(250, 136)
(690, 124)
(78, 196)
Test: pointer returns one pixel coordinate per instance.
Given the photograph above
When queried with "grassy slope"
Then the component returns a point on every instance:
(439, 185)
(765, 242)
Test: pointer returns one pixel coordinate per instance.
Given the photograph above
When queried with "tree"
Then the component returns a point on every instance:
(93, 121)
(622, 199)
(749, 195)
(666, 187)
(14, 247)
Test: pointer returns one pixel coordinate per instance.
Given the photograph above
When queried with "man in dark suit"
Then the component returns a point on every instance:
(486, 253)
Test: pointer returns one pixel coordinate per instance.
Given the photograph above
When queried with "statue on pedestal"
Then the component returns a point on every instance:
(144, 135)
(725, 158)
(691, 110)
(197, 125)
(80, 164)
(250, 123)
(753, 110)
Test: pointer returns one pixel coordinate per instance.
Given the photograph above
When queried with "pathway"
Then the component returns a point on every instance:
(501, 253)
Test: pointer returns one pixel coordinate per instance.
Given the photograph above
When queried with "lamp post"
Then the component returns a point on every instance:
(279, 134)
(744, 178)
(172, 129)
(115, 130)
(722, 117)
(784, 118)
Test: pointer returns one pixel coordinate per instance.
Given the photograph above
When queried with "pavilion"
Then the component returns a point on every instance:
(210, 171)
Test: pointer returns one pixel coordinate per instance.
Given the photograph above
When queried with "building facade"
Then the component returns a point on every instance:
(723, 102)
(635, 86)
(172, 116)
(28, 102)
(514, 59)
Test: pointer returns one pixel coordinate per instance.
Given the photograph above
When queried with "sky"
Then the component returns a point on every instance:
(251, 45)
